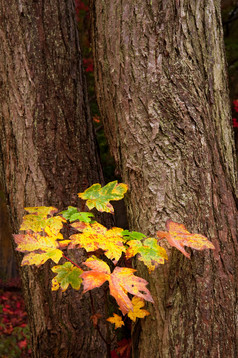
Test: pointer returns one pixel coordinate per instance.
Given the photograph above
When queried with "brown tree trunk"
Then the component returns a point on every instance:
(162, 91)
(8, 269)
(48, 154)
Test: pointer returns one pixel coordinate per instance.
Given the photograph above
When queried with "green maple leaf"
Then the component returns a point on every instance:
(67, 274)
(73, 214)
(132, 235)
(149, 252)
(98, 197)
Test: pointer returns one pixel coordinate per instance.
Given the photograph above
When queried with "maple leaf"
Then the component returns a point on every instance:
(73, 214)
(37, 219)
(33, 222)
(53, 233)
(96, 236)
(137, 312)
(95, 318)
(178, 236)
(67, 274)
(132, 235)
(42, 210)
(149, 252)
(124, 348)
(55, 224)
(117, 320)
(99, 274)
(121, 281)
(98, 197)
(40, 248)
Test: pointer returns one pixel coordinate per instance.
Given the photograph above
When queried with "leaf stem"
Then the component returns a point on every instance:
(71, 261)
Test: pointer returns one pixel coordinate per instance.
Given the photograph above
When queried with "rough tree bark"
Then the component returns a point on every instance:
(48, 154)
(162, 92)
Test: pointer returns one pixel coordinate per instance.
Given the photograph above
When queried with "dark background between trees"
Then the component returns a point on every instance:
(156, 115)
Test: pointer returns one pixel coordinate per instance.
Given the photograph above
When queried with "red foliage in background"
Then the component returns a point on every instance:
(123, 350)
(235, 104)
(235, 122)
(88, 64)
(14, 330)
(79, 7)
(235, 109)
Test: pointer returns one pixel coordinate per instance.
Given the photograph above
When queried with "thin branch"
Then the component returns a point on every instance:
(72, 261)
(97, 326)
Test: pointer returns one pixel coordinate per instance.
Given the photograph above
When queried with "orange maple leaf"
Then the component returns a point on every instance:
(178, 236)
(121, 281)
(95, 318)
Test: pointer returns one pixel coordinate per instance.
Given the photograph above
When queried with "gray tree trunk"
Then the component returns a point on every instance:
(48, 155)
(162, 91)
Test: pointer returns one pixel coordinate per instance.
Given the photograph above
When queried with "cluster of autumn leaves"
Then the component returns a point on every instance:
(43, 240)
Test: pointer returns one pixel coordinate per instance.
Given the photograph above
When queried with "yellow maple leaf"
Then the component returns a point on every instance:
(38, 219)
(40, 248)
(137, 312)
(117, 320)
(96, 236)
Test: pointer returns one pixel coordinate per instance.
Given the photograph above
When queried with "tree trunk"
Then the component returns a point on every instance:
(48, 155)
(162, 91)
(8, 269)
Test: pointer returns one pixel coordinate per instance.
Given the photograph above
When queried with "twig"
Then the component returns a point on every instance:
(71, 261)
